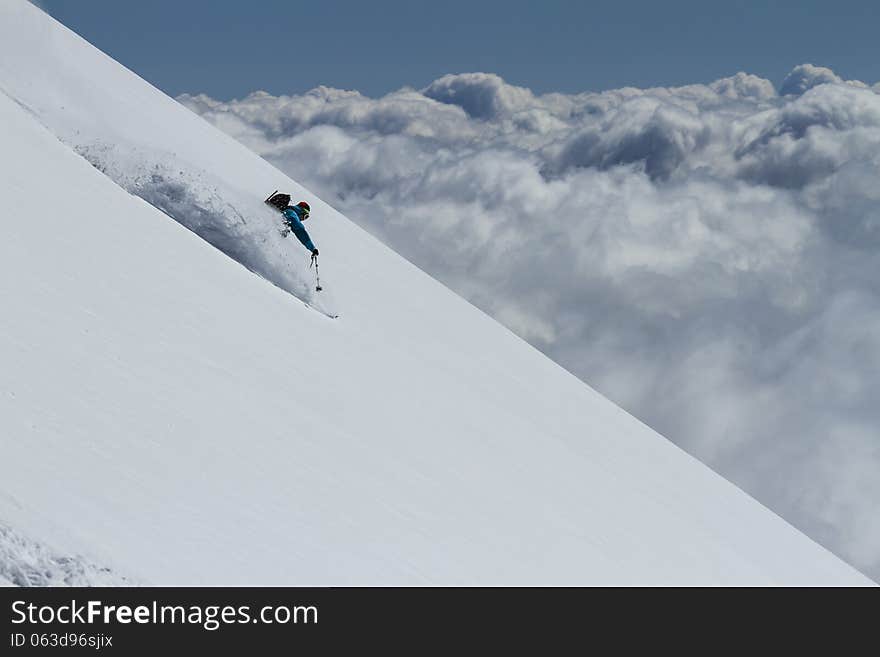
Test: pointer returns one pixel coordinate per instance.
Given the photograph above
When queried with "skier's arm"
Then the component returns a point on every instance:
(299, 230)
(303, 236)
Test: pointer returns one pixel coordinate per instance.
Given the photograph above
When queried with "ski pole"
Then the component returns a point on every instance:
(318, 287)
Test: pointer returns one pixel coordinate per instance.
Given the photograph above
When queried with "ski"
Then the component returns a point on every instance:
(318, 310)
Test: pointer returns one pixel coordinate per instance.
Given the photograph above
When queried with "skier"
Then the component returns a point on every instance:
(294, 216)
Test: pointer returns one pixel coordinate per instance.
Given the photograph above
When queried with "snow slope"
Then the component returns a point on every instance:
(168, 417)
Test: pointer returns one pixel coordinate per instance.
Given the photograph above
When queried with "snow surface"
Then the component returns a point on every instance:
(24, 562)
(168, 417)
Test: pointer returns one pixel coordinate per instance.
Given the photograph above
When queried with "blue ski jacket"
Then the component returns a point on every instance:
(292, 219)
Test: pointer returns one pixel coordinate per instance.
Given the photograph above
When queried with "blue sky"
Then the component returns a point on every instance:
(227, 48)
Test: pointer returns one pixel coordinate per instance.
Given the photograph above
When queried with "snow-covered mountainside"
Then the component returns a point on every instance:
(168, 417)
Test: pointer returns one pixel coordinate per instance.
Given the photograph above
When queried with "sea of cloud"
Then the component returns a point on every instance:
(707, 256)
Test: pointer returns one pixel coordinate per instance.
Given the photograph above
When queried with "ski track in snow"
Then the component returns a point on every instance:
(239, 225)
(26, 562)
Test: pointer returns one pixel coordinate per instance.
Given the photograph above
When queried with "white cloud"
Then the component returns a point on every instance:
(809, 138)
(708, 256)
(481, 95)
(806, 76)
(744, 86)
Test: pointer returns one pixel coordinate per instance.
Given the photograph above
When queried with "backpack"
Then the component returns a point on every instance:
(278, 201)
